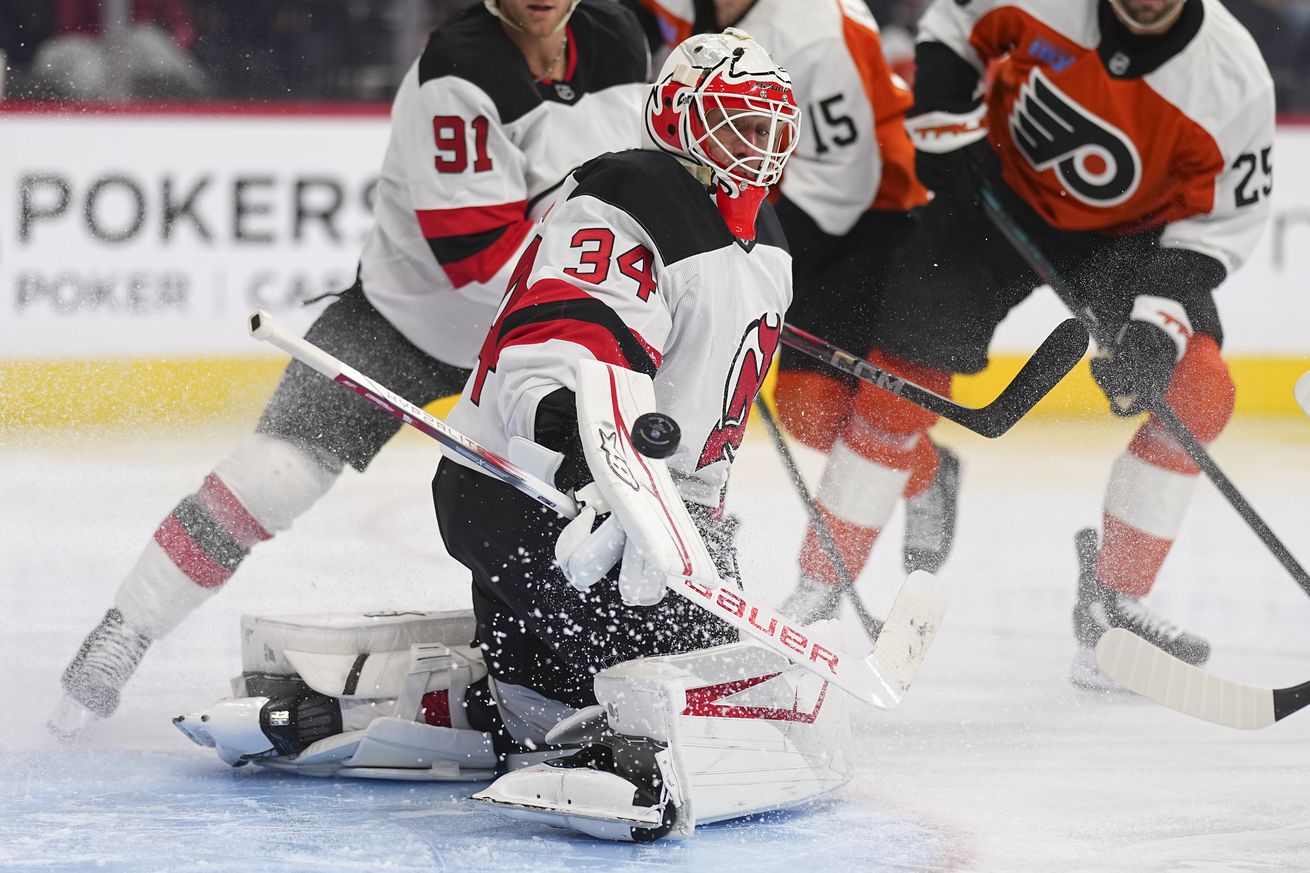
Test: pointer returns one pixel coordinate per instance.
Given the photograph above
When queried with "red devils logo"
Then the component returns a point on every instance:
(752, 361)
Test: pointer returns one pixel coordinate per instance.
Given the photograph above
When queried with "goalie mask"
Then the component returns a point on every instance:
(722, 103)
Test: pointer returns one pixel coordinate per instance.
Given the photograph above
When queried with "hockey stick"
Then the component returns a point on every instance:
(1046, 271)
(846, 585)
(1159, 676)
(1301, 391)
(880, 679)
(1054, 358)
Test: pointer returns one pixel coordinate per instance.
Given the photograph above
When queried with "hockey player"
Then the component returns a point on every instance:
(1132, 140)
(504, 102)
(845, 205)
(659, 279)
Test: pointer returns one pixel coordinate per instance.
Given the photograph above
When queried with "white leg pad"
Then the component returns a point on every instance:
(749, 731)
(379, 667)
(739, 729)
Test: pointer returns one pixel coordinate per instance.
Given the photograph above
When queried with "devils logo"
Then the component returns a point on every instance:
(745, 378)
(1097, 162)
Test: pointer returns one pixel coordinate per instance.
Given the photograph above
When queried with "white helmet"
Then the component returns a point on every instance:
(493, 6)
(709, 86)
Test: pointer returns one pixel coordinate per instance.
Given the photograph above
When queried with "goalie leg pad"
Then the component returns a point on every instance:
(376, 695)
(690, 739)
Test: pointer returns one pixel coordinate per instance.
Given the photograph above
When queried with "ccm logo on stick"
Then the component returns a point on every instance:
(785, 634)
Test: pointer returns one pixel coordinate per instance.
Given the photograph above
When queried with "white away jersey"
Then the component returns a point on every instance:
(476, 146)
(634, 266)
(1101, 131)
(853, 153)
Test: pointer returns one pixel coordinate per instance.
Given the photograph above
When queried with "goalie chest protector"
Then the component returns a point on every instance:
(635, 266)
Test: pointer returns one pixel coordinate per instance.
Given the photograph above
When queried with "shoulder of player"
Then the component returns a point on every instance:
(674, 209)
(614, 37)
(1228, 45)
(472, 48)
(1220, 79)
(789, 30)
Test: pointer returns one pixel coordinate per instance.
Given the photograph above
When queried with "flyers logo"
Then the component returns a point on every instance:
(1096, 161)
(749, 366)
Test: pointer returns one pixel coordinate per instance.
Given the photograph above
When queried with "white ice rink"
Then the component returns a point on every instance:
(993, 764)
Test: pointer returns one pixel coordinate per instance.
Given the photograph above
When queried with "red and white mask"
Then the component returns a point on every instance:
(721, 102)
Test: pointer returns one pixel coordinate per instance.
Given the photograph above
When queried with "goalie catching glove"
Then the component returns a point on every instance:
(631, 510)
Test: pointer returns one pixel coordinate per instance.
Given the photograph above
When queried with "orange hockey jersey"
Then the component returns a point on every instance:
(1102, 131)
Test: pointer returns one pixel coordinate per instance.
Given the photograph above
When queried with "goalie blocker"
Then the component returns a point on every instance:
(673, 741)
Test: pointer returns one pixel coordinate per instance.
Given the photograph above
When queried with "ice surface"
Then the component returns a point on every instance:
(992, 764)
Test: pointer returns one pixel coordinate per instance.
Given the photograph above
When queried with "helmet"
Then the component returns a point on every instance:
(493, 6)
(721, 102)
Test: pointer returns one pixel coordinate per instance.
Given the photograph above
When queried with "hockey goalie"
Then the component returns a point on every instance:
(607, 705)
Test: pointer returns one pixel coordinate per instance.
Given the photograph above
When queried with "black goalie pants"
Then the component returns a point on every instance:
(536, 629)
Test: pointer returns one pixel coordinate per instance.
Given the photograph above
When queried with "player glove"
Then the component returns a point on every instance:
(952, 155)
(1134, 370)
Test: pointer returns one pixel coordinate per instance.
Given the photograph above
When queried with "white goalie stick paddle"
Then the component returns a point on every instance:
(880, 679)
(1301, 392)
(1159, 676)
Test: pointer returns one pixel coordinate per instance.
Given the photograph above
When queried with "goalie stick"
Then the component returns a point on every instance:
(1046, 271)
(1156, 675)
(880, 679)
(1301, 391)
(1054, 358)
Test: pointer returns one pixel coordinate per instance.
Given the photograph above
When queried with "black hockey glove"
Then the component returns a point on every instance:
(1134, 370)
(949, 128)
(956, 175)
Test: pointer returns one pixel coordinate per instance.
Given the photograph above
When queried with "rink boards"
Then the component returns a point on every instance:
(133, 244)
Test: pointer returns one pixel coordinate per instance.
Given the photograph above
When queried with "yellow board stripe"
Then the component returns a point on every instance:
(57, 394)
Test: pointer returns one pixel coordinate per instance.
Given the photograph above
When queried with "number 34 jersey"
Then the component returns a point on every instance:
(477, 144)
(1103, 131)
(634, 266)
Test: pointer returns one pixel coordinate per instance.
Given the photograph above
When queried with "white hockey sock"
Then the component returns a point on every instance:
(255, 492)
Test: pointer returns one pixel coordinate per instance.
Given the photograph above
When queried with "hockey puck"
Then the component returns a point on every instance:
(655, 435)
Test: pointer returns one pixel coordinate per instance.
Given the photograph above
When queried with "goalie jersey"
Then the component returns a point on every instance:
(477, 145)
(853, 154)
(635, 266)
(1101, 131)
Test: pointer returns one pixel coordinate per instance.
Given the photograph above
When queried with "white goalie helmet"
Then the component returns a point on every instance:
(493, 6)
(721, 102)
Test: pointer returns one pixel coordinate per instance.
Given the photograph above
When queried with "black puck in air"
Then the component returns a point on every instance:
(655, 435)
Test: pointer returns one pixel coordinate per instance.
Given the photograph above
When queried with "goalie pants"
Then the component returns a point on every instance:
(310, 429)
(535, 629)
(935, 312)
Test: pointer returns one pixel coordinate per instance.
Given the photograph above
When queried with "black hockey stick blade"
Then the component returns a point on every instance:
(1156, 675)
(1055, 357)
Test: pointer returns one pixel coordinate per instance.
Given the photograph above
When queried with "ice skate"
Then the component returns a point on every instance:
(1100, 608)
(94, 680)
(930, 517)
